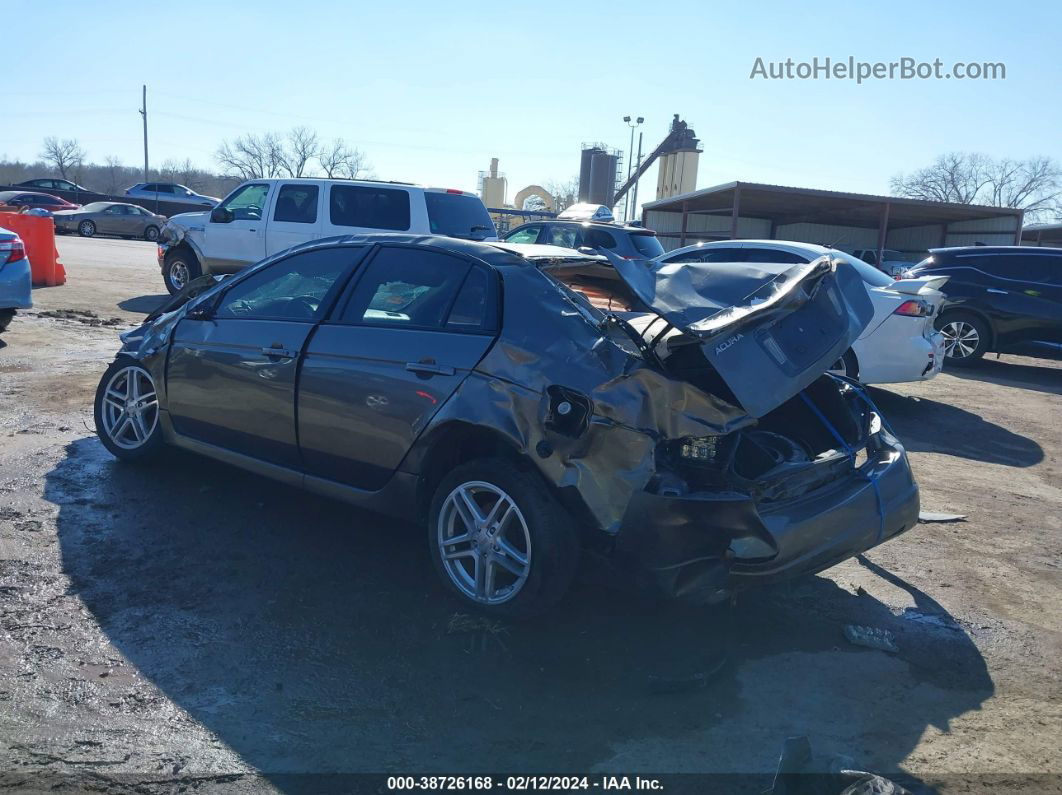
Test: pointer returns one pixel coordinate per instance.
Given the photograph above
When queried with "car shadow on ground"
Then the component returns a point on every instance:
(1022, 372)
(314, 638)
(145, 304)
(929, 426)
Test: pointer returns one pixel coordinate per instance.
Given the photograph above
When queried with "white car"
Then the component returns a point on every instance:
(899, 344)
(264, 216)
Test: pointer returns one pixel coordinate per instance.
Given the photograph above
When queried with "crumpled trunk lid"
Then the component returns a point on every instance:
(768, 333)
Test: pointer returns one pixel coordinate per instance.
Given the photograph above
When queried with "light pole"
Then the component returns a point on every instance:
(630, 161)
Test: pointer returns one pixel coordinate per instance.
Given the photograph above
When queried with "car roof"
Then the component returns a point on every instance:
(794, 246)
(598, 224)
(996, 250)
(490, 253)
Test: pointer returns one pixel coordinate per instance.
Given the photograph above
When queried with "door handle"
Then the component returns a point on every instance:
(279, 352)
(429, 368)
(994, 290)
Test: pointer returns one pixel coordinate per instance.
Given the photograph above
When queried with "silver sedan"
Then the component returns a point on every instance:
(110, 218)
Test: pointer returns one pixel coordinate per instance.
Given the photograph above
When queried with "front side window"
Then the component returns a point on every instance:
(529, 234)
(296, 204)
(165, 188)
(565, 236)
(294, 288)
(115, 209)
(369, 207)
(247, 202)
(407, 287)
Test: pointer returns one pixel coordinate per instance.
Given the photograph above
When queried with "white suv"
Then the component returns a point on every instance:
(264, 216)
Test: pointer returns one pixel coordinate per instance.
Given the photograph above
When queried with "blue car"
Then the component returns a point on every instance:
(16, 285)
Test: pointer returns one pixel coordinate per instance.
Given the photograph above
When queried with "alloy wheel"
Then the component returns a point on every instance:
(87, 229)
(130, 409)
(960, 339)
(484, 542)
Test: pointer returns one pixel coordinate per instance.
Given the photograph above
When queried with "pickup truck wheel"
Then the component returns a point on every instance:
(499, 539)
(966, 338)
(180, 267)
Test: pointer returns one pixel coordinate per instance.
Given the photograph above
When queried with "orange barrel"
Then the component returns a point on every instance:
(38, 235)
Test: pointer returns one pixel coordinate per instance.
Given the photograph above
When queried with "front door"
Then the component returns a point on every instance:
(415, 324)
(231, 375)
(237, 239)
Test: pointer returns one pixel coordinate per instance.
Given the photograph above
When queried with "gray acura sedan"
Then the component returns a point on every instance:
(532, 406)
(110, 218)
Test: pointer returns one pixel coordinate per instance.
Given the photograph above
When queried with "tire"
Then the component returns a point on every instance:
(86, 229)
(847, 365)
(540, 536)
(180, 267)
(966, 338)
(129, 430)
(151, 234)
(6, 316)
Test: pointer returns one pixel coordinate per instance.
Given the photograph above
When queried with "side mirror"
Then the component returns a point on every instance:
(202, 312)
(220, 215)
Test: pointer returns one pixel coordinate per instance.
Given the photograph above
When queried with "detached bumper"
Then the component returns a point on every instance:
(16, 285)
(700, 546)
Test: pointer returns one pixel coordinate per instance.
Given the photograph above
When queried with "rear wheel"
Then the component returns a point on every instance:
(86, 229)
(151, 233)
(180, 268)
(499, 539)
(966, 338)
(847, 365)
(6, 316)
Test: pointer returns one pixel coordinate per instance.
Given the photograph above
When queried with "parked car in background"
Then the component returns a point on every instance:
(899, 344)
(631, 242)
(996, 297)
(55, 183)
(469, 387)
(16, 286)
(892, 263)
(170, 191)
(36, 201)
(110, 218)
(264, 216)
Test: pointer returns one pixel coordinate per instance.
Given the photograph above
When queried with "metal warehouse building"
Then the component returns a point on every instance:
(846, 221)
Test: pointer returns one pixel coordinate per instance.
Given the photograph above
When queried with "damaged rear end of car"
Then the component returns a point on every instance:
(795, 470)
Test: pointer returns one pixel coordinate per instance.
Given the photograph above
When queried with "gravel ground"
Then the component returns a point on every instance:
(192, 626)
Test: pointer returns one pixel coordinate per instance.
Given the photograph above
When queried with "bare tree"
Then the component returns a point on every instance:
(565, 192)
(113, 173)
(1034, 185)
(64, 156)
(342, 161)
(302, 147)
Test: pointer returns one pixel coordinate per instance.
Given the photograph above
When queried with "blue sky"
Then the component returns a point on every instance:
(431, 91)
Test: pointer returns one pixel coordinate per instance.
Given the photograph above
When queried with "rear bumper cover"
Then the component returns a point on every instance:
(16, 285)
(693, 546)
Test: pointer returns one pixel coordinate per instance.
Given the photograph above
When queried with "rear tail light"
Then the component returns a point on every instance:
(913, 309)
(14, 250)
(455, 190)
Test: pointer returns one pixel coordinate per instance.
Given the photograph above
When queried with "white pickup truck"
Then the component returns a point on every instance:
(264, 216)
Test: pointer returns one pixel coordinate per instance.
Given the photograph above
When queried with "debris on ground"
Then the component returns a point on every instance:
(86, 316)
(797, 774)
(660, 685)
(871, 638)
(931, 516)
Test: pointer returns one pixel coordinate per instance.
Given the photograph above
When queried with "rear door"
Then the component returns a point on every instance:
(296, 216)
(231, 377)
(412, 326)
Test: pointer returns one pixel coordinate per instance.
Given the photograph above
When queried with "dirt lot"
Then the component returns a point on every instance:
(192, 625)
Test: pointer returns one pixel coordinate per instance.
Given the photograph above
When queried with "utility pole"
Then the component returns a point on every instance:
(630, 160)
(637, 165)
(143, 112)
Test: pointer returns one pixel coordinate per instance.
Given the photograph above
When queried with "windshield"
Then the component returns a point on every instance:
(458, 215)
(648, 245)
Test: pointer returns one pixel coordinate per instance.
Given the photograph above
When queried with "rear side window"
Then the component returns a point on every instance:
(296, 204)
(647, 245)
(373, 208)
(476, 307)
(598, 238)
(407, 287)
(458, 215)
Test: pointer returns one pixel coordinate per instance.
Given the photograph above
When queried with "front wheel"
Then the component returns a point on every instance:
(180, 268)
(86, 229)
(965, 338)
(127, 411)
(499, 539)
